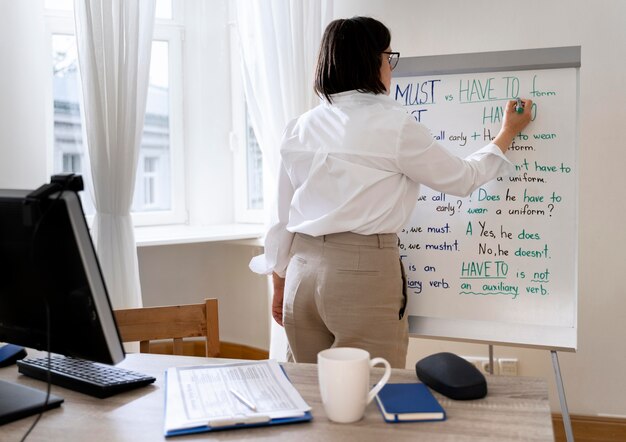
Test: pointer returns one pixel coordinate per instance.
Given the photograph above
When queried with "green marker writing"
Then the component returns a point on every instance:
(519, 108)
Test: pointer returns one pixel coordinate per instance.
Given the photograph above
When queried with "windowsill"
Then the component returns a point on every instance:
(246, 234)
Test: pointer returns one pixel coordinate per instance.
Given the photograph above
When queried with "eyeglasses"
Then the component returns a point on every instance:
(393, 59)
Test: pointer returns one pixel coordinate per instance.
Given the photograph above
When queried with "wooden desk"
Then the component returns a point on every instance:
(516, 408)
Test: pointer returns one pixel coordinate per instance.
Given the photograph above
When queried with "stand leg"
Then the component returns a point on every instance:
(491, 367)
(567, 423)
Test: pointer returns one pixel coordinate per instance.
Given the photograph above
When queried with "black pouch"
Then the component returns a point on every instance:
(404, 297)
(452, 376)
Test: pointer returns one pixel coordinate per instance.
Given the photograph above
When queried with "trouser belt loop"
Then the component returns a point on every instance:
(380, 241)
(323, 238)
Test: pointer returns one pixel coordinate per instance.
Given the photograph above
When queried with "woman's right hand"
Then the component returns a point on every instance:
(277, 299)
(513, 123)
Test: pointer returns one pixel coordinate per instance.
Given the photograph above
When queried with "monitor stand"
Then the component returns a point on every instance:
(18, 401)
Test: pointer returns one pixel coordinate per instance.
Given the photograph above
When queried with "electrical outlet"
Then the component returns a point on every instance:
(482, 363)
(507, 366)
(485, 367)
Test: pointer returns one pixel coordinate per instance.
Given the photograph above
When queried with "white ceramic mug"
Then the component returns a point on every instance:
(344, 377)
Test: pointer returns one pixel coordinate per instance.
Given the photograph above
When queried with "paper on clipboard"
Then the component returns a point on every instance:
(198, 395)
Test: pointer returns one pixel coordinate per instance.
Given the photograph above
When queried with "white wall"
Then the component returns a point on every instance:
(25, 82)
(183, 274)
(594, 376)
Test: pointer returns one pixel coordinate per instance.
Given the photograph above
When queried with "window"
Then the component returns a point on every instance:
(149, 177)
(71, 163)
(69, 152)
(254, 170)
(152, 192)
(248, 160)
(175, 183)
(67, 125)
(159, 194)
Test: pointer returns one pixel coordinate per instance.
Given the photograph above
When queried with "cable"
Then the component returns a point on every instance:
(33, 257)
(48, 376)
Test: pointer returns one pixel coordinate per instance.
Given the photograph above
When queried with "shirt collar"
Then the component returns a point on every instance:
(356, 96)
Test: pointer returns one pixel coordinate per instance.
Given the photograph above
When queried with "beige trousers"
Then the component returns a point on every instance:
(345, 290)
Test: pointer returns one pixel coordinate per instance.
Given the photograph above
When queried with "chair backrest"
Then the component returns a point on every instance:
(171, 322)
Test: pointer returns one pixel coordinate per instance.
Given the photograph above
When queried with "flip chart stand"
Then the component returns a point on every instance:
(459, 93)
(567, 423)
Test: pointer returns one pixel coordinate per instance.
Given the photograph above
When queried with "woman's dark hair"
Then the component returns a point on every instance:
(349, 57)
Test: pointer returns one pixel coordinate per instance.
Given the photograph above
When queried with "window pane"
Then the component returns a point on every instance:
(69, 152)
(151, 165)
(153, 184)
(150, 169)
(152, 193)
(254, 169)
(71, 163)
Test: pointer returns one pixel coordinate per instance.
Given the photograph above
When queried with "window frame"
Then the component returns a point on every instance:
(172, 33)
(238, 137)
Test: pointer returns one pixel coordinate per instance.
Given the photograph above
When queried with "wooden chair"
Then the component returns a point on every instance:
(171, 322)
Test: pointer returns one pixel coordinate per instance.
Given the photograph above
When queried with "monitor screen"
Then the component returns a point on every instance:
(51, 286)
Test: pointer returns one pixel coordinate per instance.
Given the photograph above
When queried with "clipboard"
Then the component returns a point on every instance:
(201, 399)
(234, 424)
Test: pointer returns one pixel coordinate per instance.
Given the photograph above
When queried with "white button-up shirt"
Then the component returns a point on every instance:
(356, 165)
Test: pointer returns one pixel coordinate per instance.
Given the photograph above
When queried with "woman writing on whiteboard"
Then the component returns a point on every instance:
(350, 175)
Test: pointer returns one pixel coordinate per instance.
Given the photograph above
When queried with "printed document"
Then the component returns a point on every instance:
(224, 394)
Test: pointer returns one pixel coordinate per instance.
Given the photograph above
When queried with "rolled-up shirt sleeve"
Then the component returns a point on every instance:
(426, 161)
(278, 239)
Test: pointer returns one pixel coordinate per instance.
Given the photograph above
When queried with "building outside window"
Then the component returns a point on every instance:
(72, 163)
(152, 188)
(149, 177)
(254, 170)
(69, 151)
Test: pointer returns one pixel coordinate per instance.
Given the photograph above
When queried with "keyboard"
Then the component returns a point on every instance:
(92, 378)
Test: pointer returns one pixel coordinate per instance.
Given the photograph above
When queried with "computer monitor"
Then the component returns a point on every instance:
(52, 292)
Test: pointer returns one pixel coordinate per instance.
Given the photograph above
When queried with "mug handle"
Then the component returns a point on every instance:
(374, 391)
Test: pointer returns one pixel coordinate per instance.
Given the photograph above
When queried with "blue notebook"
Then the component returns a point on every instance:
(409, 403)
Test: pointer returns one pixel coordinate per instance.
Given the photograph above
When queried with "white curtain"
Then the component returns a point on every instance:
(114, 39)
(279, 43)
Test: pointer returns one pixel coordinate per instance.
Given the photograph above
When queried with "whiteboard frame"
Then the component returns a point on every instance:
(557, 338)
(497, 61)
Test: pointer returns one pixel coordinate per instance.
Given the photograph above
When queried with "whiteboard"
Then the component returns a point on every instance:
(499, 266)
